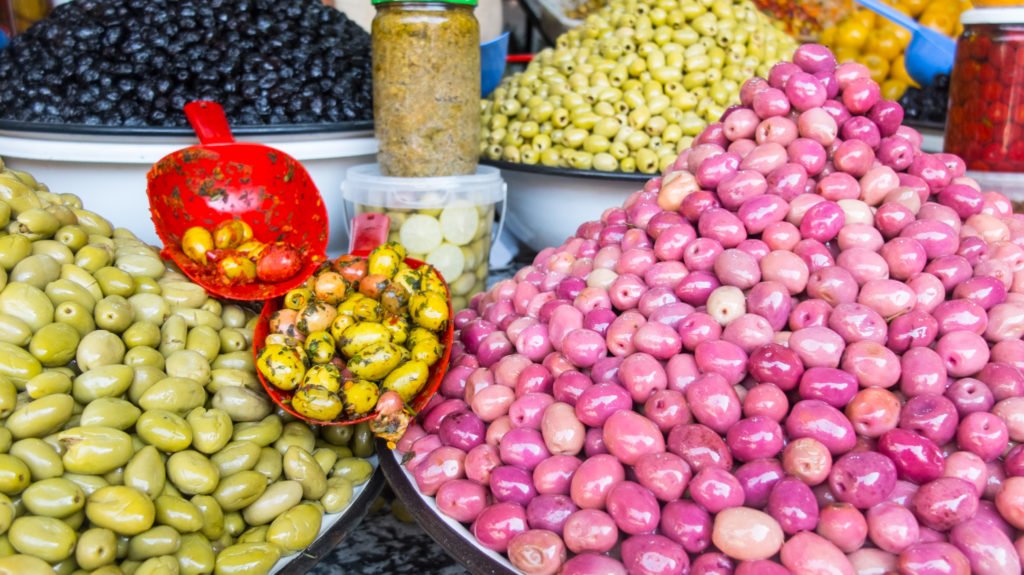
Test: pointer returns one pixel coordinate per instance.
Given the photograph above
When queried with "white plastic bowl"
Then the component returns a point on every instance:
(546, 205)
(109, 172)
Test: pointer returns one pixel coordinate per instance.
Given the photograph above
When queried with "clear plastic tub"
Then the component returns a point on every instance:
(447, 222)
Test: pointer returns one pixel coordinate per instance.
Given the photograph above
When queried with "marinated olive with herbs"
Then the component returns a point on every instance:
(354, 350)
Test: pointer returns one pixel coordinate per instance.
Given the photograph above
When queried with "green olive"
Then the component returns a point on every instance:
(75, 315)
(146, 472)
(113, 313)
(235, 360)
(297, 434)
(220, 378)
(72, 236)
(146, 376)
(254, 535)
(54, 497)
(141, 334)
(362, 440)
(14, 331)
(178, 513)
(338, 495)
(262, 433)
(232, 339)
(247, 559)
(13, 249)
(89, 483)
(278, 498)
(197, 317)
(42, 461)
(99, 348)
(122, 509)
(47, 538)
(188, 364)
(160, 540)
(212, 514)
(150, 307)
(192, 473)
(242, 404)
(205, 341)
(7, 513)
(162, 565)
(183, 293)
(326, 458)
(300, 466)
(145, 355)
(164, 430)
(64, 290)
(40, 417)
(96, 547)
(110, 412)
(211, 429)
(296, 528)
(36, 270)
(355, 469)
(337, 434)
(21, 564)
(48, 383)
(94, 449)
(195, 555)
(237, 491)
(102, 382)
(270, 464)
(174, 394)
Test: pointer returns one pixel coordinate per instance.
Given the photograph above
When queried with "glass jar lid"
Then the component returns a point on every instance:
(993, 16)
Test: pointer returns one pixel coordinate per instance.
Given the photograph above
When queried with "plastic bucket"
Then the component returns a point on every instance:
(447, 222)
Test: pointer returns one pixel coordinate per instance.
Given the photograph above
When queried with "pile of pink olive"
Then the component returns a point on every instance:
(798, 351)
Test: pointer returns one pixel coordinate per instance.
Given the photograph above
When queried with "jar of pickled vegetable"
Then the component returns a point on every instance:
(426, 87)
(986, 99)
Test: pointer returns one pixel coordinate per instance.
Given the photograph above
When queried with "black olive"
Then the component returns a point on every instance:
(135, 62)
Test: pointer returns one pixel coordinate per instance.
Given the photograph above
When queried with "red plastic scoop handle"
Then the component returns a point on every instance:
(368, 231)
(209, 122)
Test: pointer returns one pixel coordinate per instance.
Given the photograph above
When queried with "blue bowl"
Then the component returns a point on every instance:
(492, 63)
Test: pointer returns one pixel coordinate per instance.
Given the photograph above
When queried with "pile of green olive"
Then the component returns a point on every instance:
(629, 89)
(136, 437)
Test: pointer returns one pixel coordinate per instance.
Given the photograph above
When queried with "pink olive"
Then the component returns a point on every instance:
(497, 525)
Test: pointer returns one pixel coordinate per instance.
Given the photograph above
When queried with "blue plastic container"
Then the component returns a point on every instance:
(492, 63)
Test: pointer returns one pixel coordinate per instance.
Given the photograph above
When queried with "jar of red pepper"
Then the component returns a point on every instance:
(986, 98)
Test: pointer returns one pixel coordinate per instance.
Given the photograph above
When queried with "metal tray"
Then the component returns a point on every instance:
(451, 535)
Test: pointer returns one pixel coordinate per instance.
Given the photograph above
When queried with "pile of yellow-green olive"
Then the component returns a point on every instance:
(629, 89)
(135, 437)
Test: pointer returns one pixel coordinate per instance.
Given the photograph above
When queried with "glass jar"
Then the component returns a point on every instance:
(986, 97)
(426, 87)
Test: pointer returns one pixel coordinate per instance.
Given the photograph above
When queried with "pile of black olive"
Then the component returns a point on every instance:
(928, 104)
(137, 62)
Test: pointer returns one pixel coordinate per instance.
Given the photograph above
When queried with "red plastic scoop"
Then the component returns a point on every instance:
(368, 232)
(221, 180)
